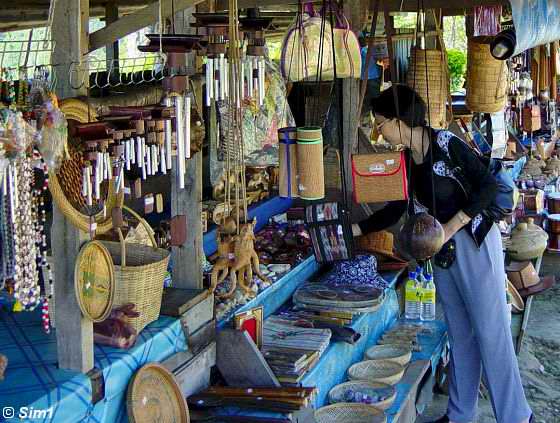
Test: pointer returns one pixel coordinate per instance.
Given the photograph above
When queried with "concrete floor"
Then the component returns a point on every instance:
(539, 360)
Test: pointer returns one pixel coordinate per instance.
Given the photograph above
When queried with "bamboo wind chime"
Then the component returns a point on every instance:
(235, 236)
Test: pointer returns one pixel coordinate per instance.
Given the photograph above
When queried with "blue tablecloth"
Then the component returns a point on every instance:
(33, 379)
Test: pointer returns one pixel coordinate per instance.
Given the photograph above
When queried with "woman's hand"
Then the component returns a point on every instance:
(455, 224)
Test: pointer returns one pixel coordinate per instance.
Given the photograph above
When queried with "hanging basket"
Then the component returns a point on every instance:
(65, 185)
(428, 76)
(486, 78)
(331, 159)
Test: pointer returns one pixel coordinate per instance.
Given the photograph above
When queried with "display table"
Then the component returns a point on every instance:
(33, 379)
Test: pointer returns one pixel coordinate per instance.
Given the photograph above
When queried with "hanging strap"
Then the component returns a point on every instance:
(364, 81)
(446, 68)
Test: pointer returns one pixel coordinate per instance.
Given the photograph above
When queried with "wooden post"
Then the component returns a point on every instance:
(74, 333)
(112, 15)
(187, 259)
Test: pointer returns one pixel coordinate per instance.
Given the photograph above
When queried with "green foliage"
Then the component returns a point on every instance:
(457, 64)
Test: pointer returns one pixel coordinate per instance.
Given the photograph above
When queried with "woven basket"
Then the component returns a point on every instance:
(336, 394)
(331, 159)
(486, 78)
(382, 371)
(139, 273)
(428, 76)
(349, 413)
(394, 353)
(70, 174)
(287, 154)
(310, 163)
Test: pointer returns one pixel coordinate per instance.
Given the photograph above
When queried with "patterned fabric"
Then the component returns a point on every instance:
(362, 270)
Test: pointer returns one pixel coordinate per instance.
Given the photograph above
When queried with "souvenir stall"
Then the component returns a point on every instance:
(177, 244)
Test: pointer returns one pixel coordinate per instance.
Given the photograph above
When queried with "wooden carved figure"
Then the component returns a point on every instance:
(3, 365)
(246, 259)
(221, 268)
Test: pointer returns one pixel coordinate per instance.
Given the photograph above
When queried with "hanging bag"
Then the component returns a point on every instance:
(328, 222)
(307, 48)
(378, 177)
(347, 51)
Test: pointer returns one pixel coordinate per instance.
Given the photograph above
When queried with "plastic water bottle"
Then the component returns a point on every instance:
(412, 301)
(428, 312)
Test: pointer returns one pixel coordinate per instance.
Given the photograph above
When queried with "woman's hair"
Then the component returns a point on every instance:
(412, 109)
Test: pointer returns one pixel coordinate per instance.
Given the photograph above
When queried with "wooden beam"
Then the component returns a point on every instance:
(111, 16)
(393, 5)
(136, 21)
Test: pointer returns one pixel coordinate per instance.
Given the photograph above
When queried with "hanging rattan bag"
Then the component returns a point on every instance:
(486, 78)
(428, 75)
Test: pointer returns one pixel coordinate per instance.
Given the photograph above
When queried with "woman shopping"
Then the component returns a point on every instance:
(454, 185)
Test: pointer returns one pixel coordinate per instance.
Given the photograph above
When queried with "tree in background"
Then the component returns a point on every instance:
(457, 64)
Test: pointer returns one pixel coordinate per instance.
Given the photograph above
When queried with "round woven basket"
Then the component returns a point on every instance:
(310, 168)
(336, 394)
(394, 353)
(428, 75)
(486, 78)
(382, 371)
(65, 185)
(349, 413)
(154, 395)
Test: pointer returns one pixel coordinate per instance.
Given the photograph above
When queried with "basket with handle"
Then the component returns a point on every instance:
(345, 412)
(486, 78)
(139, 274)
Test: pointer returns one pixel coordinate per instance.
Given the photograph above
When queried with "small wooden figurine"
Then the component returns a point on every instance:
(3, 365)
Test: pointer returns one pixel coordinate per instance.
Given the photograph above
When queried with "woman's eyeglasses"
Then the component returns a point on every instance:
(381, 124)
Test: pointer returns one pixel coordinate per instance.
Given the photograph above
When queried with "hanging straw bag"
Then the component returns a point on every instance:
(428, 75)
(379, 177)
(347, 52)
(307, 48)
(139, 274)
(486, 78)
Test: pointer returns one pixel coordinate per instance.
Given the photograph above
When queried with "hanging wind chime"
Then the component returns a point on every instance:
(235, 236)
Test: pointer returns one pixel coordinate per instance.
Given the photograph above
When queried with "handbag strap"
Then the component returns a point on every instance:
(364, 78)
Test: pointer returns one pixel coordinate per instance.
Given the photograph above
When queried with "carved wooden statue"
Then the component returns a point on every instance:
(221, 268)
(3, 365)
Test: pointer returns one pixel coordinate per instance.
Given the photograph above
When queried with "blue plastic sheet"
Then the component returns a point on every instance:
(536, 22)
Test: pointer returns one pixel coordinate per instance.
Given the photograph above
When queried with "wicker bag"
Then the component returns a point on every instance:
(139, 272)
(379, 177)
(427, 74)
(486, 78)
(287, 157)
